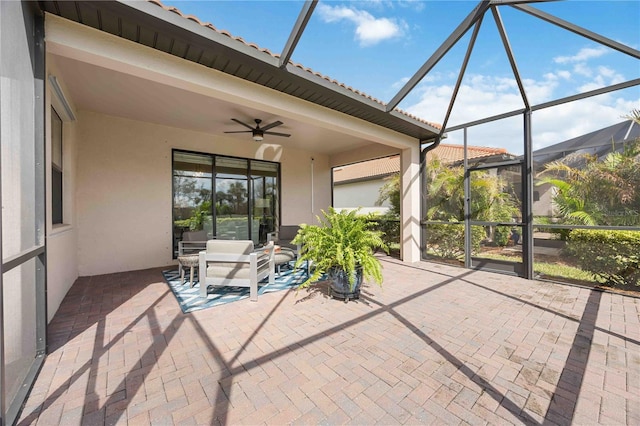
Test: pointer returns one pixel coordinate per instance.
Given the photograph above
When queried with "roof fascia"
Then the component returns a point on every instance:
(146, 11)
(381, 176)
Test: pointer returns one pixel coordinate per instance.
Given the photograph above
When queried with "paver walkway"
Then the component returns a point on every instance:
(437, 345)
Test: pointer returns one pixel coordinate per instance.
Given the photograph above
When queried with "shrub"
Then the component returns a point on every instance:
(389, 225)
(447, 241)
(501, 235)
(613, 256)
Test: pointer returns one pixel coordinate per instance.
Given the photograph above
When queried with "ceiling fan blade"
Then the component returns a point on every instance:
(240, 131)
(244, 124)
(272, 125)
(286, 135)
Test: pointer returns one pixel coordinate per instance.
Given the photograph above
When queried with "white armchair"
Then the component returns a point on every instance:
(235, 263)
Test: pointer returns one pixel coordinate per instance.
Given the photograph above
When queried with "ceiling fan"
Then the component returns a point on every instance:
(259, 132)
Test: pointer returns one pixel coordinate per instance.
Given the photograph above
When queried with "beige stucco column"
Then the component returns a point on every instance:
(410, 204)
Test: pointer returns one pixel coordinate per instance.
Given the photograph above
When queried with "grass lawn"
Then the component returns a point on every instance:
(552, 270)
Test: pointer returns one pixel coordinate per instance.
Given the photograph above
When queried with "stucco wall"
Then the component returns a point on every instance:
(62, 239)
(360, 194)
(124, 188)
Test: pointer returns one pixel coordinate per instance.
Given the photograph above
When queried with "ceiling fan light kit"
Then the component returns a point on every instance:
(258, 132)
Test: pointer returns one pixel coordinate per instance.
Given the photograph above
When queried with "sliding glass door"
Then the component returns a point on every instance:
(264, 182)
(222, 197)
(192, 197)
(232, 201)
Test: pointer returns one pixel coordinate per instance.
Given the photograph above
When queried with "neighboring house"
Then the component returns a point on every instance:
(598, 143)
(358, 185)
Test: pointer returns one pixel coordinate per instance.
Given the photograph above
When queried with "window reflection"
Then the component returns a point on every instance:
(224, 198)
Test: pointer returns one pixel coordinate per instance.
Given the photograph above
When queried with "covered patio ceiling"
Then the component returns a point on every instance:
(135, 98)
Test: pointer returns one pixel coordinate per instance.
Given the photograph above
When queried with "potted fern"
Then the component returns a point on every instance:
(342, 248)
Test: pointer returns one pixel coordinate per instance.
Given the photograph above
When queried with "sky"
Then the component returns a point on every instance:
(375, 46)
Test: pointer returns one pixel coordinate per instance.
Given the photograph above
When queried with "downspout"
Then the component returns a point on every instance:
(433, 144)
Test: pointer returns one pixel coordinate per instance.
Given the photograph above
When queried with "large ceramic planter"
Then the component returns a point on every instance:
(339, 286)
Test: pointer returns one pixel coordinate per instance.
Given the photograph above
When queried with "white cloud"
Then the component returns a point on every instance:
(564, 74)
(583, 55)
(369, 29)
(561, 74)
(483, 96)
(604, 76)
(612, 76)
(557, 124)
(417, 5)
(400, 83)
(583, 70)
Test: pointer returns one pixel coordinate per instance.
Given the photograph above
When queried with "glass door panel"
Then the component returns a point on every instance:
(264, 199)
(192, 212)
(223, 197)
(232, 199)
(495, 217)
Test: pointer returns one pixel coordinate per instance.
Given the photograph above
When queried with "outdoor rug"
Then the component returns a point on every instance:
(190, 300)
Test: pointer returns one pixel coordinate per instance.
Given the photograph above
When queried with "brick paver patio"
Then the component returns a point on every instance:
(437, 345)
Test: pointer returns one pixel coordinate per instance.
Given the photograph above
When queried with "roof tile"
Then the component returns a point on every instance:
(302, 67)
(382, 167)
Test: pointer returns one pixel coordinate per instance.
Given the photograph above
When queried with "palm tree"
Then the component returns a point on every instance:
(390, 191)
(444, 191)
(599, 191)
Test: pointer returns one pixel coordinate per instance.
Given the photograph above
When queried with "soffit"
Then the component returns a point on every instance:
(131, 97)
(149, 24)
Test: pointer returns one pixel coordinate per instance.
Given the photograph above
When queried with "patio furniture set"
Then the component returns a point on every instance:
(234, 262)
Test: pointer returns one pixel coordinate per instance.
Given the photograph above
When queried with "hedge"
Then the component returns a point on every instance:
(613, 256)
(447, 241)
(389, 225)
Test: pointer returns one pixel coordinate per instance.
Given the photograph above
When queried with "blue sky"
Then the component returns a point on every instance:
(375, 46)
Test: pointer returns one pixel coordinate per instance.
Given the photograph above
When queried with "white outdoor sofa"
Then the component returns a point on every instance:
(235, 263)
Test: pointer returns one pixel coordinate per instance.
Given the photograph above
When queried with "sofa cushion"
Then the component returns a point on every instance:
(230, 246)
(228, 270)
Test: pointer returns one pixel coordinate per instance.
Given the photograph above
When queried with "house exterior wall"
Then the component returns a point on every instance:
(124, 188)
(62, 239)
(410, 204)
(360, 194)
(544, 205)
(123, 181)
